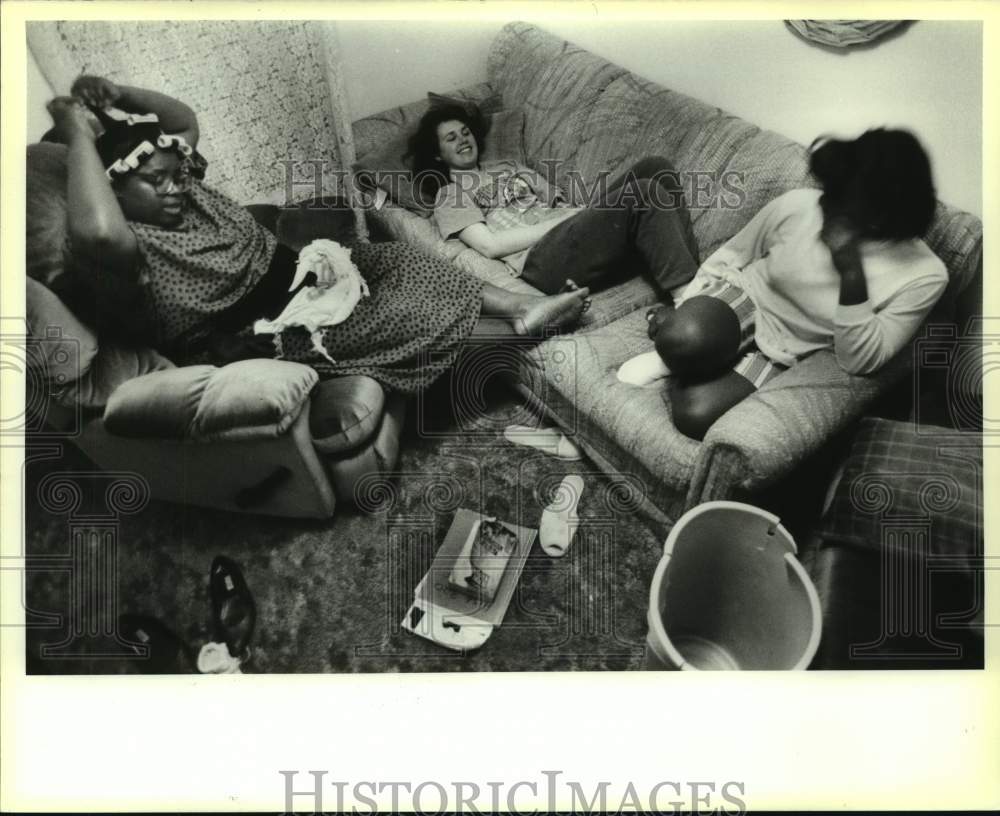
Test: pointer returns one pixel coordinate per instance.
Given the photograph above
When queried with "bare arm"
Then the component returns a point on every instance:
(500, 244)
(97, 227)
(175, 117)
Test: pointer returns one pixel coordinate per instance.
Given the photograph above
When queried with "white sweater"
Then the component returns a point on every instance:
(779, 260)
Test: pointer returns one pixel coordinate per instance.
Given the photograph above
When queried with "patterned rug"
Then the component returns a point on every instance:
(331, 594)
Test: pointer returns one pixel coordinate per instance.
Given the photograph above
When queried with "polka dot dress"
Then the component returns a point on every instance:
(410, 329)
(204, 266)
(405, 334)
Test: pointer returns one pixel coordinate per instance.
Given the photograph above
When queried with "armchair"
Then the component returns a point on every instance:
(259, 436)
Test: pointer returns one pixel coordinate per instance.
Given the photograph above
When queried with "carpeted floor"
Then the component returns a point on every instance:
(331, 595)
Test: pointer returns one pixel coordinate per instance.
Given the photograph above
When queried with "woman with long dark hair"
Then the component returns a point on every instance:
(636, 224)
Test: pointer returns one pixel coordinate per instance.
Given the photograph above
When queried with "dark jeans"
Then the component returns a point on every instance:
(639, 225)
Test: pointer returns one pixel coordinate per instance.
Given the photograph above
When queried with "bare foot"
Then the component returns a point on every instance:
(570, 286)
(552, 311)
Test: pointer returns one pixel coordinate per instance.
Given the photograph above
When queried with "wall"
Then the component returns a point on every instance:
(388, 64)
(38, 93)
(266, 99)
(929, 78)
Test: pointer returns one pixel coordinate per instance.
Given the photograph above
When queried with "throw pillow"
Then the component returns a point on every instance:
(898, 473)
(489, 105)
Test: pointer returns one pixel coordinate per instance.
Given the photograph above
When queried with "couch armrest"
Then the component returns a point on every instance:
(345, 413)
(250, 399)
(764, 437)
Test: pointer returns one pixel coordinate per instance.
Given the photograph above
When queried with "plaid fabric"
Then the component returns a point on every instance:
(754, 365)
(909, 486)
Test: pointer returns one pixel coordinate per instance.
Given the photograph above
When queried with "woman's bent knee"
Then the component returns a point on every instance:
(651, 166)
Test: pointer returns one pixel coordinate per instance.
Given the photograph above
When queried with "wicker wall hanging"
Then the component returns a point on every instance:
(843, 33)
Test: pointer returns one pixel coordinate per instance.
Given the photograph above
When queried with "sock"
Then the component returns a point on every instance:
(643, 369)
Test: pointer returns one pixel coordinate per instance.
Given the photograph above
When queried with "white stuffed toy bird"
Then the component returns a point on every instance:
(339, 287)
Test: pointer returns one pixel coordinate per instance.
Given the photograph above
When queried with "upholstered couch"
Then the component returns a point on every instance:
(591, 116)
(259, 436)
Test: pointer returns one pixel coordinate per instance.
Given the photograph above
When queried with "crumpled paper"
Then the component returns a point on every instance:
(339, 287)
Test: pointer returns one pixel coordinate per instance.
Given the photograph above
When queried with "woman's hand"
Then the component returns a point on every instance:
(71, 119)
(841, 237)
(96, 92)
(843, 240)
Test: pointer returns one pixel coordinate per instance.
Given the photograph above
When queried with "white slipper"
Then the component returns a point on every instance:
(559, 519)
(643, 369)
(547, 440)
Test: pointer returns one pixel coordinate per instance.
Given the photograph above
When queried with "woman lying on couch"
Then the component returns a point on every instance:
(505, 210)
(199, 270)
(843, 267)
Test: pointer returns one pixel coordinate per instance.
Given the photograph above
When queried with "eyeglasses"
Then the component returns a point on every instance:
(162, 182)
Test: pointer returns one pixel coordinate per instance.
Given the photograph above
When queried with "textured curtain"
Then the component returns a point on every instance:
(268, 95)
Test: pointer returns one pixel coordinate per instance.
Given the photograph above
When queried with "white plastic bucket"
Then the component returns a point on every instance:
(729, 593)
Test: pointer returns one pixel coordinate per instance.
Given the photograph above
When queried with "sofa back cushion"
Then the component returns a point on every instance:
(730, 168)
(558, 84)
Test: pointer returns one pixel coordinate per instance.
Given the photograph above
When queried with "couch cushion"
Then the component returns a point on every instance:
(344, 413)
(250, 399)
(629, 428)
(729, 167)
(484, 105)
(956, 237)
(400, 224)
(900, 477)
(558, 84)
